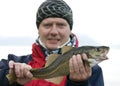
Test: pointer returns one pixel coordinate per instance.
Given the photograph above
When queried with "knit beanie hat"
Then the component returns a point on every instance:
(54, 8)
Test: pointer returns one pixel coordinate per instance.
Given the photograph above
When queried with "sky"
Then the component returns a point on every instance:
(96, 22)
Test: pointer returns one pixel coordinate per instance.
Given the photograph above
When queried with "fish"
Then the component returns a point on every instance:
(57, 65)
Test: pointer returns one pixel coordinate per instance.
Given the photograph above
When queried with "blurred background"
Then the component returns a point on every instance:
(96, 22)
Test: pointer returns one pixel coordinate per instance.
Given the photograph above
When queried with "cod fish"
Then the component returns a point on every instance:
(57, 65)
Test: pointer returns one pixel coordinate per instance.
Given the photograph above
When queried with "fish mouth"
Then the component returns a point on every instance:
(104, 55)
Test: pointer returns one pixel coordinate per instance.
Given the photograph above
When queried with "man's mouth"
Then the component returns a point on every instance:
(54, 40)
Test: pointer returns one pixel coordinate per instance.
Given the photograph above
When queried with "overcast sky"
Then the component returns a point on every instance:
(95, 21)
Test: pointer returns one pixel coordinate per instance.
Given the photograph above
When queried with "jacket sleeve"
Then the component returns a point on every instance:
(96, 79)
(97, 76)
(4, 68)
(3, 72)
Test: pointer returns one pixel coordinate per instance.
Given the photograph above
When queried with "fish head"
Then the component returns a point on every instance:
(99, 53)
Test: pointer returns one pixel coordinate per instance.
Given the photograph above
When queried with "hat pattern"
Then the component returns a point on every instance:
(54, 8)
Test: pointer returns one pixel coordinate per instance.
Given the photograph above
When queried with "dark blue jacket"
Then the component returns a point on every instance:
(95, 80)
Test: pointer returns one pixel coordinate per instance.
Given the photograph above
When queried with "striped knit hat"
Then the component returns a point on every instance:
(54, 8)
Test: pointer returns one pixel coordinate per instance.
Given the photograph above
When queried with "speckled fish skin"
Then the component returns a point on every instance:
(60, 66)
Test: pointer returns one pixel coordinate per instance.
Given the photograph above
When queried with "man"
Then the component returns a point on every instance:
(54, 23)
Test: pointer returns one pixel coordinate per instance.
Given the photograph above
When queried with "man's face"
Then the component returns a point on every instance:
(54, 32)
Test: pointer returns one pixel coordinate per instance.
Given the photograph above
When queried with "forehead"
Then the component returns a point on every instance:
(56, 20)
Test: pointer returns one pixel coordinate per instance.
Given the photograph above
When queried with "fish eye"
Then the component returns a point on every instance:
(98, 49)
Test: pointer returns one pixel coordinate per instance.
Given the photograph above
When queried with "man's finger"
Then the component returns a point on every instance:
(11, 64)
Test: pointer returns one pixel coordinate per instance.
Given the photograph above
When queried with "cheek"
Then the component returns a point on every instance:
(42, 35)
(42, 32)
(66, 35)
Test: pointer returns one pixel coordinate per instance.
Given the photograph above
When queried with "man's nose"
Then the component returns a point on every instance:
(54, 29)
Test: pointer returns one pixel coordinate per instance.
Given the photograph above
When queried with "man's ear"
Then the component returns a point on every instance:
(38, 33)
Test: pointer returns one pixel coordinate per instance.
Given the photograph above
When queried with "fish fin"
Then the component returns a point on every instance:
(51, 58)
(55, 80)
(11, 77)
(66, 49)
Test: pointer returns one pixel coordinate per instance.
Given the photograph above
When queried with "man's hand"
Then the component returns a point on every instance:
(79, 68)
(22, 72)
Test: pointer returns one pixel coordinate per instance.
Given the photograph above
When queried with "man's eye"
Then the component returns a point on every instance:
(61, 24)
(47, 24)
